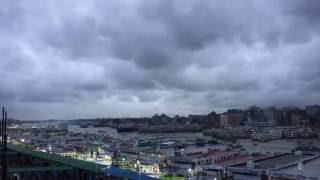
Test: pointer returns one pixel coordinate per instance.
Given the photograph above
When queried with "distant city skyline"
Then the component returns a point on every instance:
(278, 108)
(67, 60)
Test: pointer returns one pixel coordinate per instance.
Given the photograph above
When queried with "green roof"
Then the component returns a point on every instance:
(84, 165)
(37, 169)
(172, 178)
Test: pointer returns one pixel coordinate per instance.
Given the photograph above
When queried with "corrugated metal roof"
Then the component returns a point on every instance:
(57, 158)
(39, 169)
(118, 172)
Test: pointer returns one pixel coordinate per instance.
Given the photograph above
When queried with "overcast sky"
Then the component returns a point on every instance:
(77, 59)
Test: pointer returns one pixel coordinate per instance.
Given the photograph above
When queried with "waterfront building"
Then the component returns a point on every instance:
(224, 120)
(285, 118)
(311, 111)
(201, 160)
(255, 114)
(271, 134)
(272, 115)
(233, 118)
(256, 118)
(214, 119)
(236, 117)
(291, 116)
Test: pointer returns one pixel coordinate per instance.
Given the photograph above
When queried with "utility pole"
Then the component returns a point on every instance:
(3, 133)
(5, 147)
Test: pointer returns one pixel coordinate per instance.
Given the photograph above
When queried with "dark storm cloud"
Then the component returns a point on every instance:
(118, 58)
(306, 73)
(6, 95)
(195, 24)
(308, 11)
(303, 19)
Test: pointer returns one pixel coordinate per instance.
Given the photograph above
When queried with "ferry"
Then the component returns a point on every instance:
(265, 137)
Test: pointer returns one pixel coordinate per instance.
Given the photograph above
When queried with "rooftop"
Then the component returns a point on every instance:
(310, 169)
(237, 160)
(274, 161)
(118, 172)
(38, 169)
(89, 166)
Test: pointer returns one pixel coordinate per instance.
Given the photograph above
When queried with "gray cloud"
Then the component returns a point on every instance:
(137, 58)
(308, 11)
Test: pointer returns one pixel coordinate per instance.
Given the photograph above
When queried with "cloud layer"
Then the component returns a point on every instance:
(69, 59)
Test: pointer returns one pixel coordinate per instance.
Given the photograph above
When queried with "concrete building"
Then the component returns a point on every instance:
(256, 117)
(272, 115)
(292, 116)
(311, 111)
(285, 118)
(233, 118)
(214, 119)
(94, 130)
(256, 114)
(224, 120)
(236, 117)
